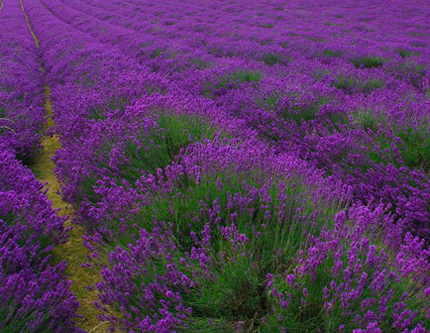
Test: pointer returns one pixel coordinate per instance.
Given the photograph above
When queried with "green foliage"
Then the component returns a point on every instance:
(237, 292)
(350, 86)
(87, 190)
(156, 53)
(231, 81)
(300, 114)
(320, 73)
(412, 71)
(414, 146)
(368, 62)
(266, 25)
(246, 76)
(270, 102)
(157, 150)
(332, 53)
(9, 218)
(371, 85)
(161, 147)
(370, 121)
(367, 120)
(404, 53)
(186, 199)
(98, 112)
(415, 150)
(343, 83)
(199, 63)
(205, 324)
(272, 59)
(311, 314)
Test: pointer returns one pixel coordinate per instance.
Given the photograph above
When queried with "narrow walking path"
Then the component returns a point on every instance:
(74, 252)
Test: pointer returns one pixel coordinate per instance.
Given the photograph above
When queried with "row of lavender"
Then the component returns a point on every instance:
(34, 294)
(205, 226)
(353, 102)
(21, 98)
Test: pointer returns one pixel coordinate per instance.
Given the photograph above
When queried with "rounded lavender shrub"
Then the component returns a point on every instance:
(34, 293)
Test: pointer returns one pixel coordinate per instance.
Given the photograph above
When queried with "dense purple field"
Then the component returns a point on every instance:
(238, 166)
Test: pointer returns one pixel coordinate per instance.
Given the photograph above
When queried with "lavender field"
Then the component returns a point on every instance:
(214, 166)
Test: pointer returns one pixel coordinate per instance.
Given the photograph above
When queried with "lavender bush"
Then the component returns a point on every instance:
(34, 293)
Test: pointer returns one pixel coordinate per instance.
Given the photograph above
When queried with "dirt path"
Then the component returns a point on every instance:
(74, 252)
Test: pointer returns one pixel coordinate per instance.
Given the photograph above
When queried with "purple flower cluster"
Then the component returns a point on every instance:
(34, 293)
(359, 282)
(257, 166)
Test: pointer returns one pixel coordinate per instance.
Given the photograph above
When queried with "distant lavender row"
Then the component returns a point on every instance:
(34, 294)
(21, 91)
